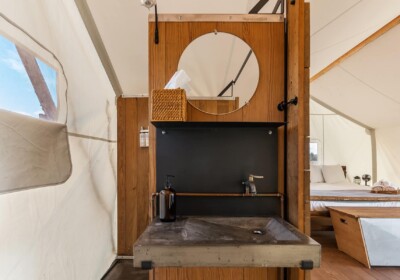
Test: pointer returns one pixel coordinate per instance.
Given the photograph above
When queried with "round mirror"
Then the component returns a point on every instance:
(223, 70)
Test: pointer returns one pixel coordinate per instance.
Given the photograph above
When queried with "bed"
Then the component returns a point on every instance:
(340, 193)
(323, 195)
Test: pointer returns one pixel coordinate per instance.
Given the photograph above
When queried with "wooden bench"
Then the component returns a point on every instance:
(371, 235)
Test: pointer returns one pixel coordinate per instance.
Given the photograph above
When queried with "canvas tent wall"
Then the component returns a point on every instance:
(68, 231)
(340, 141)
(65, 231)
(360, 82)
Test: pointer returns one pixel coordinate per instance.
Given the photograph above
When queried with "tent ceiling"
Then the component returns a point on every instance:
(352, 87)
(337, 26)
(123, 27)
(366, 85)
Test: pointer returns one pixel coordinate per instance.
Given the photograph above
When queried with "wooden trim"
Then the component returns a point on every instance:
(217, 18)
(353, 198)
(121, 163)
(368, 40)
(320, 214)
(368, 212)
(230, 194)
(133, 169)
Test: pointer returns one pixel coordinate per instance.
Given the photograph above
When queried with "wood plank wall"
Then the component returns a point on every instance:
(297, 177)
(133, 173)
(164, 60)
(209, 273)
(267, 43)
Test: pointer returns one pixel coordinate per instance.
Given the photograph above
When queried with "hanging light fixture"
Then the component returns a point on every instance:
(149, 4)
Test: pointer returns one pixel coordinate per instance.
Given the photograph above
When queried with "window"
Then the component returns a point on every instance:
(27, 84)
(314, 151)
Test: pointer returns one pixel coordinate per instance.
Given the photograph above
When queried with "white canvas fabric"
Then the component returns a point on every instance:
(333, 174)
(66, 231)
(341, 141)
(33, 152)
(316, 174)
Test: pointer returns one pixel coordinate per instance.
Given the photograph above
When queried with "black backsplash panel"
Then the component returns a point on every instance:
(216, 160)
(248, 206)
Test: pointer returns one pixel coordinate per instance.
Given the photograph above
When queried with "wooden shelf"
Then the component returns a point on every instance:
(217, 124)
(231, 194)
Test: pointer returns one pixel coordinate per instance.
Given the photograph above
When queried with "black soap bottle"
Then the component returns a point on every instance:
(167, 202)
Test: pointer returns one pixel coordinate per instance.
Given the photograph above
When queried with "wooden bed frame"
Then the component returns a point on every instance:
(321, 220)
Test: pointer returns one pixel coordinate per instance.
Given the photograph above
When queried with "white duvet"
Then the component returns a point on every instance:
(338, 186)
(345, 186)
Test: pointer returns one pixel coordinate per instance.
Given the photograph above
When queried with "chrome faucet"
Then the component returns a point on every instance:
(250, 187)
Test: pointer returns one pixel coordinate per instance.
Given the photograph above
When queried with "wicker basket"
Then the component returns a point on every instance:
(168, 105)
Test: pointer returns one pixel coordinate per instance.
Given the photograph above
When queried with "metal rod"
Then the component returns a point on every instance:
(243, 65)
(230, 194)
(232, 83)
(257, 7)
(226, 88)
(278, 3)
(156, 40)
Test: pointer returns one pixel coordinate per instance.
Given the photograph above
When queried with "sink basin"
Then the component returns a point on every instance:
(225, 241)
(225, 230)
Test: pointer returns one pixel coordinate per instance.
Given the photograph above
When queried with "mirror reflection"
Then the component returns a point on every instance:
(223, 70)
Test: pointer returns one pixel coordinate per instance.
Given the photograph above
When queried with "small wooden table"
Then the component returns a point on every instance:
(371, 235)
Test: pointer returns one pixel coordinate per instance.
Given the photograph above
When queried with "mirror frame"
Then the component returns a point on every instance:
(263, 33)
(227, 104)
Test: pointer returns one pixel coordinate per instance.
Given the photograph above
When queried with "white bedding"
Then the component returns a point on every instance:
(338, 186)
(345, 186)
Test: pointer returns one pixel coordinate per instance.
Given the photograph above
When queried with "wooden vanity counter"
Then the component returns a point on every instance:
(225, 242)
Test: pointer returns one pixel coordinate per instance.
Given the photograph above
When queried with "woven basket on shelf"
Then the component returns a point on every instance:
(168, 105)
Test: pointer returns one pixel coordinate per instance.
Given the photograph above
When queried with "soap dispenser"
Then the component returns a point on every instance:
(167, 202)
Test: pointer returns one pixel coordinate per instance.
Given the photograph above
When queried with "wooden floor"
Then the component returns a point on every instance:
(338, 265)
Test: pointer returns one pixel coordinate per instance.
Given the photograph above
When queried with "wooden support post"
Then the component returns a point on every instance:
(38, 83)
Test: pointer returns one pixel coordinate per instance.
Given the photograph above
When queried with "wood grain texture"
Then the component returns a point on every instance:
(349, 236)
(306, 182)
(337, 265)
(296, 122)
(133, 169)
(217, 17)
(121, 119)
(215, 106)
(296, 129)
(215, 273)
(368, 212)
(267, 42)
(307, 41)
(361, 45)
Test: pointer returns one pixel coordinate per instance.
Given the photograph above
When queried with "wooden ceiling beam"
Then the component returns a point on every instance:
(38, 83)
(365, 42)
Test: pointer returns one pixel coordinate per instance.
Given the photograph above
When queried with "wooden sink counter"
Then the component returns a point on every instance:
(225, 242)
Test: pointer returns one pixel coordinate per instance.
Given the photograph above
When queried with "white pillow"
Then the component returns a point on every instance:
(333, 174)
(316, 174)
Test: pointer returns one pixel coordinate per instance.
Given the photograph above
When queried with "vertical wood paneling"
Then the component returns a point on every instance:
(215, 273)
(255, 273)
(121, 175)
(296, 129)
(157, 80)
(131, 128)
(143, 195)
(133, 168)
(266, 40)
